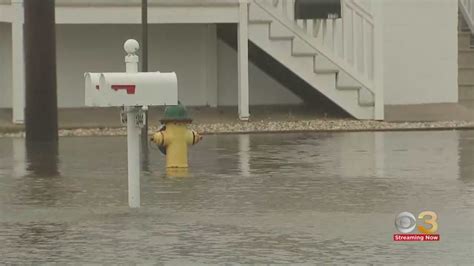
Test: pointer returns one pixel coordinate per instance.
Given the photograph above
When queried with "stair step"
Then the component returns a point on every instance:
(466, 57)
(466, 76)
(345, 82)
(366, 98)
(277, 31)
(464, 40)
(258, 15)
(258, 33)
(301, 48)
(323, 65)
(466, 92)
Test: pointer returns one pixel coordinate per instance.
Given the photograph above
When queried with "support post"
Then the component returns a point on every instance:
(243, 64)
(144, 47)
(41, 112)
(18, 64)
(211, 65)
(133, 156)
(133, 132)
(378, 60)
(144, 130)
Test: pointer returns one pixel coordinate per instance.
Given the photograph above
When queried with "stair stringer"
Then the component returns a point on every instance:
(303, 66)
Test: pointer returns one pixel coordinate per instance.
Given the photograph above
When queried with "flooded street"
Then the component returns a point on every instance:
(262, 198)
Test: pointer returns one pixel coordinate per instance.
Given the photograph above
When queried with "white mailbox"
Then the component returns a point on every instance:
(131, 89)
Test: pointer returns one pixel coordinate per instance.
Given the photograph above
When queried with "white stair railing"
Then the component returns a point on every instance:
(467, 10)
(350, 38)
(354, 41)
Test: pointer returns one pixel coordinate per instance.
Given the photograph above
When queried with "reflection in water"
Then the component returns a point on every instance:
(177, 173)
(42, 158)
(265, 198)
(144, 156)
(244, 154)
(37, 168)
(466, 170)
(19, 160)
(45, 237)
(466, 156)
(379, 153)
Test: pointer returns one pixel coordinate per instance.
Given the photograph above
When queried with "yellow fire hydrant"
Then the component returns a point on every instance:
(174, 137)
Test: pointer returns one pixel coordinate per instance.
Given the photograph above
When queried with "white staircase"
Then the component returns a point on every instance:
(466, 7)
(340, 58)
(466, 50)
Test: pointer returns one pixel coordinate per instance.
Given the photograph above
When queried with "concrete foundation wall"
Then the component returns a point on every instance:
(420, 47)
(5, 65)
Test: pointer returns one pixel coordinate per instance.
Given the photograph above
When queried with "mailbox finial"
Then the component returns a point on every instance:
(131, 46)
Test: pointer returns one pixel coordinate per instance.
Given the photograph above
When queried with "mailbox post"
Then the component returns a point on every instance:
(132, 92)
(133, 131)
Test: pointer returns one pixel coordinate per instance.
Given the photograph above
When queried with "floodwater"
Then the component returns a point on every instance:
(263, 198)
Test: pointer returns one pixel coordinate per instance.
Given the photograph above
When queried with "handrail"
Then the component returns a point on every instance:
(331, 37)
(359, 8)
(467, 9)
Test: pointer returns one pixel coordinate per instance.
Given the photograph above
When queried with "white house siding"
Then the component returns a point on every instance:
(420, 58)
(5, 66)
(180, 48)
(99, 48)
(420, 47)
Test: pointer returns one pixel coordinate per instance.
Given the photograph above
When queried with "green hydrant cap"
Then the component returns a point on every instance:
(176, 113)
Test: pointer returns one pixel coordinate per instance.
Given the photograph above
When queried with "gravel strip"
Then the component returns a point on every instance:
(278, 126)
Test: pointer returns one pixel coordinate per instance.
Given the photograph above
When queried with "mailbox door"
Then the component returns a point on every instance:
(92, 92)
(316, 9)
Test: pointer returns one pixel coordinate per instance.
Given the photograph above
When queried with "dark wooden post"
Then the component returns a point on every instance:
(41, 110)
(144, 49)
(144, 36)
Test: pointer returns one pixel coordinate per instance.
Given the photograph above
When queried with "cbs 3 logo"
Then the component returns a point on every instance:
(405, 222)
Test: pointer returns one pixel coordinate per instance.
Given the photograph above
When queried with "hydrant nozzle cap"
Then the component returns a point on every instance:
(176, 113)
